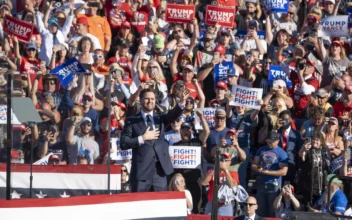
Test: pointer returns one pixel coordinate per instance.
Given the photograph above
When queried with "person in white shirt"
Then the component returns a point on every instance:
(250, 207)
(252, 40)
(52, 35)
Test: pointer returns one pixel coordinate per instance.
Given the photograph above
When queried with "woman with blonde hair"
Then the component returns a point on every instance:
(278, 105)
(279, 90)
(177, 183)
(86, 84)
(332, 140)
(334, 62)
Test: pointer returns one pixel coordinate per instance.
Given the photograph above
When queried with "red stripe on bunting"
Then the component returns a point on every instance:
(84, 169)
(91, 200)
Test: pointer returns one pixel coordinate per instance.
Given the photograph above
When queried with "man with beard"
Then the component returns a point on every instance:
(144, 134)
(192, 176)
(82, 144)
(174, 135)
(338, 200)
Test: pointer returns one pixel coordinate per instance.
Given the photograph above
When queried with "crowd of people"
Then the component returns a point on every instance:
(292, 145)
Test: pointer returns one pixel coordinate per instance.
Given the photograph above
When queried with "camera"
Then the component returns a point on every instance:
(94, 4)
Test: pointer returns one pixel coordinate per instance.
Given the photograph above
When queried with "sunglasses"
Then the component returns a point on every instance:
(290, 13)
(268, 63)
(88, 73)
(250, 204)
(189, 102)
(87, 100)
(223, 159)
(124, 171)
(99, 56)
(220, 118)
(31, 49)
(87, 124)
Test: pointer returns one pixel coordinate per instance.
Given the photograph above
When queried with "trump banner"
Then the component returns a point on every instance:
(66, 71)
(221, 70)
(222, 15)
(241, 34)
(117, 153)
(3, 116)
(185, 157)
(246, 97)
(276, 5)
(334, 26)
(275, 73)
(349, 13)
(180, 13)
(22, 30)
(209, 115)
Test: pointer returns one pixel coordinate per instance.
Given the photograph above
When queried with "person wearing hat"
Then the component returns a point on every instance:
(192, 84)
(335, 62)
(338, 200)
(82, 144)
(204, 54)
(230, 145)
(303, 85)
(82, 31)
(52, 35)
(286, 202)
(332, 140)
(229, 188)
(322, 96)
(174, 135)
(270, 162)
(252, 40)
(89, 112)
(232, 78)
(192, 176)
(186, 59)
(158, 43)
(214, 103)
(221, 92)
(97, 25)
(330, 6)
(343, 109)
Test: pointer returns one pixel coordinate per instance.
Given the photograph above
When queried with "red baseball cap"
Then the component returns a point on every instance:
(126, 24)
(221, 84)
(82, 20)
(231, 131)
(122, 106)
(336, 42)
(88, 94)
(221, 49)
(213, 101)
(348, 88)
(226, 155)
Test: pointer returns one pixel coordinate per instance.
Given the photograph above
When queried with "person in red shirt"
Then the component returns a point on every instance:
(343, 109)
(303, 85)
(225, 208)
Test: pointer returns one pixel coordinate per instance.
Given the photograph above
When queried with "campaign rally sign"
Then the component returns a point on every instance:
(3, 116)
(241, 34)
(209, 115)
(22, 30)
(275, 73)
(221, 70)
(44, 160)
(185, 157)
(334, 26)
(66, 71)
(119, 154)
(349, 13)
(180, 13)
(246, 97)
(222, 15)
(276, 5)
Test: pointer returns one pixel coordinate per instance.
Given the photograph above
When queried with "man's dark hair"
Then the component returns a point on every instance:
(144, 91)
(285, 112)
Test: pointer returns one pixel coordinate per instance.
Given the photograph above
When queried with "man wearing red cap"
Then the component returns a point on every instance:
(220, 92)
(343, 109)
(82, 31)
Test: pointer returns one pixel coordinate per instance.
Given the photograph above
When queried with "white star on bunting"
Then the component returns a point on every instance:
(15, 195)
(65, 195)
(41, 195)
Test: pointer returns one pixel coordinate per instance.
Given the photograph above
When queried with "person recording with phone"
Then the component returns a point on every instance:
(286, 202)
(315, 157)
(252, 40)
(178, 183)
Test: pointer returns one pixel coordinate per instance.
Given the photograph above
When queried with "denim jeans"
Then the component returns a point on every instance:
(226, 210)
(265, 202)
(242, 170)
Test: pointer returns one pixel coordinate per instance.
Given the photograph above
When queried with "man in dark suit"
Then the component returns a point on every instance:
(290, 142)
(144, 134)
(250, 207)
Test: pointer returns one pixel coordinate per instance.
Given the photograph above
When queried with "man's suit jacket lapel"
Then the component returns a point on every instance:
(141, 124)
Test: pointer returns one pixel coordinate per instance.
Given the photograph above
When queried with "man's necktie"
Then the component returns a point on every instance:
(149, 122)
(284, 141)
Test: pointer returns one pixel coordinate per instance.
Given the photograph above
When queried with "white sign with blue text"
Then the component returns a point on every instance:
(185, 157)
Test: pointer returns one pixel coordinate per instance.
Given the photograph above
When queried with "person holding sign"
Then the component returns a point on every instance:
(144, 134)
(192, 176)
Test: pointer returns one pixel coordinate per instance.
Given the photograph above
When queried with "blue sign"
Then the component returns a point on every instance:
(241, 34)
(276, 5)
(275, 73)
(349, 13)
(66, 71)
(221, 70)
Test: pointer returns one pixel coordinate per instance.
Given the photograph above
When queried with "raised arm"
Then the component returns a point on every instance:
(203, 136)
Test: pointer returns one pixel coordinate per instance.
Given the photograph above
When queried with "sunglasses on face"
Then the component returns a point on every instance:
(87, 100)
(99, 56)
(250, 204)
(268, 63)
(290, 13)
(152, 67)
(124, 171)
(220, 118)
(189, 102)
(223, 159)
(87, 124)
(31, 49)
